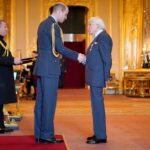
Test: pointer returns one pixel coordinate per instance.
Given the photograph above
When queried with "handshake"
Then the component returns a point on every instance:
(81, 58)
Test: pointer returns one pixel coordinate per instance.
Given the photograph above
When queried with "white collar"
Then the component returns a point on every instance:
(54, 18)
(98, 32)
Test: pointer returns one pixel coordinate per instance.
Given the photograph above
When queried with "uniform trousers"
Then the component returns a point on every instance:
(45, 106)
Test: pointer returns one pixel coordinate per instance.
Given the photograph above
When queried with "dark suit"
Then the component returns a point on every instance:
(98, 65)
(47, 68)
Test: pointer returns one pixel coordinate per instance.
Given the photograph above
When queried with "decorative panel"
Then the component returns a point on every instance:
(1, 9)
(137, 83)
(146, 34)
(132, 30)
(5, 14)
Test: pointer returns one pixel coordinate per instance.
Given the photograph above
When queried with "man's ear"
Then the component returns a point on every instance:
(59, 12)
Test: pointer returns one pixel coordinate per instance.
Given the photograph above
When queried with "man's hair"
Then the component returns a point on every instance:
(58, 6)
(97, 21)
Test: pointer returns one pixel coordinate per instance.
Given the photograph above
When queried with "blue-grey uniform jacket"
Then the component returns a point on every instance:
(47, 64)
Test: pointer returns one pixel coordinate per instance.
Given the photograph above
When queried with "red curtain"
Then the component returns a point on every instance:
(75, 74)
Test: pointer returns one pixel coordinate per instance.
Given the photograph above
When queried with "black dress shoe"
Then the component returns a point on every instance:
(96, 141)
(90, 138)
(51, 140)
(4, 130)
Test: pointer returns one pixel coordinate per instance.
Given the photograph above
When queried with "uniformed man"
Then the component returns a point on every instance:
(7, 84)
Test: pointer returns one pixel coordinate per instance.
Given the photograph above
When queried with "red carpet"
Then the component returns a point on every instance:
(27, 143)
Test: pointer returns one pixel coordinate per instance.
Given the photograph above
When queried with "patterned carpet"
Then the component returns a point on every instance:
(128, 120)
(77, 102)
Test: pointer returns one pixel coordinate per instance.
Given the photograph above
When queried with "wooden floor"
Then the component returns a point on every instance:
(128, 120)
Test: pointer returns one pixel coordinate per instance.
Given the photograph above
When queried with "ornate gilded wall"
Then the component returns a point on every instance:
(132, 33)
(27, 14)
(1, 8)
(146, 24)
(25, 21)
(5, 12)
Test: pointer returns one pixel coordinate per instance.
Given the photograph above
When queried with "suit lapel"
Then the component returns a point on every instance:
(99, 35)
(95, 41)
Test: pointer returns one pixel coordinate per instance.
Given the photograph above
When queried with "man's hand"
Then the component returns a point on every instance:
(17, 61)
(81, 58)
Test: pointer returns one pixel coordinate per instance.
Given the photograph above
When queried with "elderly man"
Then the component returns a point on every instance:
(98, 65)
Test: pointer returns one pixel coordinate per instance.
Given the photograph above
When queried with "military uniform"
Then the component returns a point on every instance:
(47, 70)
(7, 85)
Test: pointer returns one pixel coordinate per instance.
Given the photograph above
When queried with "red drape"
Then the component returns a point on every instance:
(75, 75)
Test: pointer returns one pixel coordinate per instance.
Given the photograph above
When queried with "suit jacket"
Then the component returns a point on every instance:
(99, 61)
(47, 64)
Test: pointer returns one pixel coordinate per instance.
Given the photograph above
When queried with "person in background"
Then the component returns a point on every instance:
(63, 67)
(97, 67)
(47, 69)
(7, 84)
(31, 78)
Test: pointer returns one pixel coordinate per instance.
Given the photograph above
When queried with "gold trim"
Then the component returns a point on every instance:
(41, 10)
(139, 61)
(6, 16)
(55, 53)
(1, 9)
(6, 52)
(13, 26)
(110, 17)
(27, 26)
(121, 46)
